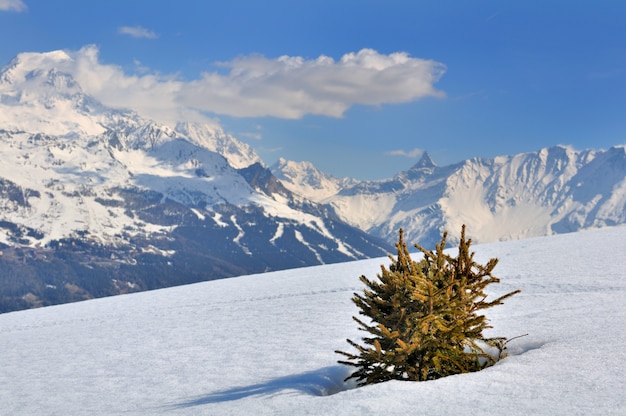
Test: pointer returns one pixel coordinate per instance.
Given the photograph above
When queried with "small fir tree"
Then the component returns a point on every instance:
(425, 321)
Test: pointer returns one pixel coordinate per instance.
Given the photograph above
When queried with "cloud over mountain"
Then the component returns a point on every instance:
(291, 87)
(255, 86)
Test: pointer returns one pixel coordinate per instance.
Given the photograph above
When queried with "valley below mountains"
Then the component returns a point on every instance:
(98, 201)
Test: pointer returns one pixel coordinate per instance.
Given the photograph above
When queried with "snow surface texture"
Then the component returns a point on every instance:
(263, 344)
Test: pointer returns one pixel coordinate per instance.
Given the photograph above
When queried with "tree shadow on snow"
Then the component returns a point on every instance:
(322, 382)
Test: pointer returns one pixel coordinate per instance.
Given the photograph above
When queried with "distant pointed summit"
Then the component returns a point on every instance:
(425, 162)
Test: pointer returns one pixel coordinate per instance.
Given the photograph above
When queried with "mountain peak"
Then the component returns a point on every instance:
(425, 162)
(38, 94)
(303, 178)
(293, 167)
(38, 75)
(22, 67)
(238, 154)
(44, 58)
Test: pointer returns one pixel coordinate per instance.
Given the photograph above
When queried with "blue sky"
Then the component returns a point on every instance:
(360, 88)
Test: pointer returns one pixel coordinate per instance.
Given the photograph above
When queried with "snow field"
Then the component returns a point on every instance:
(264, 344)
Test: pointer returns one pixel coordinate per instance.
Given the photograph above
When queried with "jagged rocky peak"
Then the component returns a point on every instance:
(424, 167)
(261, 178)
(425, 162)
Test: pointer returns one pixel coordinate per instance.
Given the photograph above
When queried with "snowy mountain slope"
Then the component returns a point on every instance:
(303, 178)
(37, 94)
(551, 191)
(130, 199)
(264, 344)
(239, 154)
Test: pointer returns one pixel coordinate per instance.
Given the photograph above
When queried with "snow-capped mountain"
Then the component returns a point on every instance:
(88, 190)
(304, 178)
(37, 95)
(553, 190)
(239, 154)
(97, 200)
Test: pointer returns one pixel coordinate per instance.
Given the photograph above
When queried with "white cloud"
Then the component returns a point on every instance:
(290, 87)
(12, 5)
(413, 153)
(151, 95)
(137, 32)
(253, 86)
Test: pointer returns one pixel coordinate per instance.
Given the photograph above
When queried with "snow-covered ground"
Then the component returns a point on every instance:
(263, 344)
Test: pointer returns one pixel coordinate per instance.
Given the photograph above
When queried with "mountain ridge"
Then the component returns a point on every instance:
(97, 201)
(553, 190)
